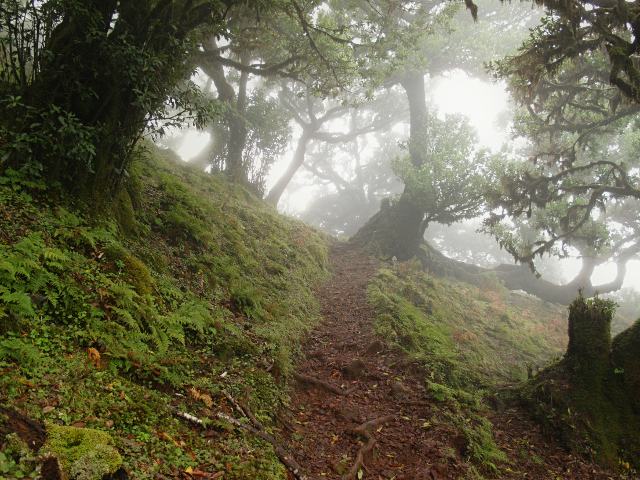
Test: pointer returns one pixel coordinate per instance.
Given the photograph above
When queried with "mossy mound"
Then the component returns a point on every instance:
(469, 340)
(470, 337)
(82, 453)
(589, 399)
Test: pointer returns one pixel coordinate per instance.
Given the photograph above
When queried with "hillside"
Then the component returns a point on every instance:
(198, 289)
(171, 338)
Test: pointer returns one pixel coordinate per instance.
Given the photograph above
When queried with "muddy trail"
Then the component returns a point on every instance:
(361, 409)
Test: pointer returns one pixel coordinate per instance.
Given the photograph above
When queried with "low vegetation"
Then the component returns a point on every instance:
(489, 344)
(469, 341)
(197, 289)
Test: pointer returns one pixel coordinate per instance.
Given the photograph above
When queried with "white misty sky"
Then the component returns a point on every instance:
(482, 102)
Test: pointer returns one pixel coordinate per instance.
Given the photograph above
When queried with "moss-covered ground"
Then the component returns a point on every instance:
(196, 289)
(468, 336)
(480, 345)
(470, 341)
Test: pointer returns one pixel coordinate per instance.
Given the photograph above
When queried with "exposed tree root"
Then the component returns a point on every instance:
(257, 428)
(365, 431)
(33, 433)
(322, 384)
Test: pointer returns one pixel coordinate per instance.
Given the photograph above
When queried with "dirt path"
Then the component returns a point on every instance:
(343, 351)
(377, 384)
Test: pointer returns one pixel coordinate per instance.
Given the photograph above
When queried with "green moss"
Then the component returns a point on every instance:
(467, 336)
(588, 400)
(469, 340)
(213, 291)
(83, 453)
(134, 268)
(481, 447)
(124, 213)
(626, 362)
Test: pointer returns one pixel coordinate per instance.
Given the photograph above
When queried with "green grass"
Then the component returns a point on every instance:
(467, 336)
(197, 287)
(470, 341)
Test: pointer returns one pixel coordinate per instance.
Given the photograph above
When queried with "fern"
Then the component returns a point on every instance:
(18, 350)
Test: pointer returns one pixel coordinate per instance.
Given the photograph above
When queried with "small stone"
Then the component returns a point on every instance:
(354, 370)
(375, 347)
(398, 390)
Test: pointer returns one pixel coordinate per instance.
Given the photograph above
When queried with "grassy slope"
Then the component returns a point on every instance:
(470, 340)
(471, 336)
(200, 288)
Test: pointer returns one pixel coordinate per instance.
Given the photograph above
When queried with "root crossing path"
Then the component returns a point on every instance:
(361, 410)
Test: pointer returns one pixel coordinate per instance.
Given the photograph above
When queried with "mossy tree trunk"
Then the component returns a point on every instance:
(394, 231)
(590, 399)
(109, 64)
(398, 228)
(588, 352)
(625, 355)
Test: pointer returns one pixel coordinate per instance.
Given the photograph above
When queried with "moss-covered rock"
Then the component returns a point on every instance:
(83, 453)
(135, 269)
(626, 360)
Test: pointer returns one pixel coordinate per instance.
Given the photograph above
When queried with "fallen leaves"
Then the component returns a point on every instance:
(195, 473)
(203, 397)
(94, 356)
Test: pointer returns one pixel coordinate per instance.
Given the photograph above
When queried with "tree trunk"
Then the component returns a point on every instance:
(625, 355)
(520, 277)
(274, 195)
(590, 398)
(79, 76)
(397, 229)
(393, 231)
(413, 84)
(235, 167)
(589, 342)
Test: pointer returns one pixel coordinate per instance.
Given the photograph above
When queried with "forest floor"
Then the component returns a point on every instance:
(357, 397)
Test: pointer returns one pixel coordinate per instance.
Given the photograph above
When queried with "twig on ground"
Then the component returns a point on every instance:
(322, 384)
(190, 418)
(257, 428)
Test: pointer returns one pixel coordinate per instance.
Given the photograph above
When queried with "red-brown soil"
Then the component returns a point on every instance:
(377, 382)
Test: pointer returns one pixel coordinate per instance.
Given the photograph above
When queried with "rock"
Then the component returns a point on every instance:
(375, 347)
(399, 391)
(82, 453)
(354, 370)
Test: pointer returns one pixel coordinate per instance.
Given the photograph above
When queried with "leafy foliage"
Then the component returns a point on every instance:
(449, 184)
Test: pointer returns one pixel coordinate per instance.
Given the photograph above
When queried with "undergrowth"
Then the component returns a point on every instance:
(469, 340)
(198, 287)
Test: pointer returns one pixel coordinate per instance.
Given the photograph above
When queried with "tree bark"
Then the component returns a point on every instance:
(235, 167)
(274, 195)
(626, 359)
(394, 231)
(413, 84)
(397, 229)
(589, 342)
